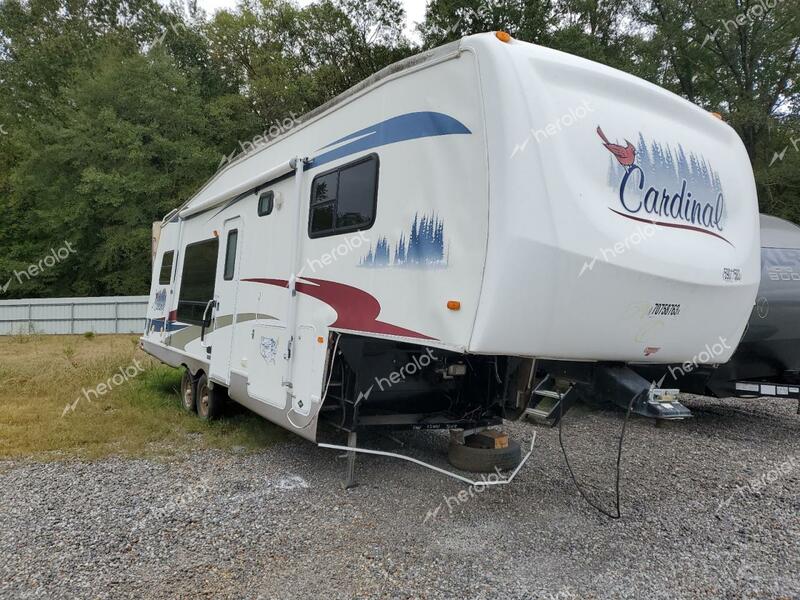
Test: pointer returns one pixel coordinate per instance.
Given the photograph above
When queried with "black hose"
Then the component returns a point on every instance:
(619, 461)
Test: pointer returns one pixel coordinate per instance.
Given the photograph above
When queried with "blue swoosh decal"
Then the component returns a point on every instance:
(158, 325)
(409, 126)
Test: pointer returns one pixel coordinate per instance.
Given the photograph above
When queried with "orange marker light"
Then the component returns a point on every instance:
(717, 115)
(454, 305)
(216, 233)
(503, 36)
(321, 340)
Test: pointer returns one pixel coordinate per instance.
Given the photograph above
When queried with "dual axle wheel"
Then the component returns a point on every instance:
(198, 395)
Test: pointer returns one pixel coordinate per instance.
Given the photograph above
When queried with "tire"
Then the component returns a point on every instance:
(209, 399)
(188, 392)
(481, 460)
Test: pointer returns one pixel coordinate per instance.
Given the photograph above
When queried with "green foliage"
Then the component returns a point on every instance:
(118, 110)
(742, 60)
(127, 140)
(113, 112)
(449, 20)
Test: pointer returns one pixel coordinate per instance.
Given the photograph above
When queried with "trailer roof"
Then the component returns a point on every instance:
(779, 233)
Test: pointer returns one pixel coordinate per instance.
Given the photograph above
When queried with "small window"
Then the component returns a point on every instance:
(265, 203)
(230, 254)
(344, 200)
(197, 280)
(165, 275)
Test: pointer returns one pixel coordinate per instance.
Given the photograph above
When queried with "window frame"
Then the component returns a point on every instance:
(335, 202)
(181, 300)
(271, 205)
(225, 275)
(161, 268)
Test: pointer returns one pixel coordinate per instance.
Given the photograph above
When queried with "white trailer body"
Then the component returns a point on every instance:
(484, 199)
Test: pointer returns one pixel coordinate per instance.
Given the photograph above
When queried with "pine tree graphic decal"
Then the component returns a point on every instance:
(423, 248)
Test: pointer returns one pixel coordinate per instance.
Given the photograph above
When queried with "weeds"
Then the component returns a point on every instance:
(142, 416)
(69, 354)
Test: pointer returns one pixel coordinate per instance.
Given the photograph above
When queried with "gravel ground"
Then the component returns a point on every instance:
(710, 510)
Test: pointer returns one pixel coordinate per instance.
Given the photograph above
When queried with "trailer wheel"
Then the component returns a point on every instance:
(209, 399)
(188, 390)
(484, 460)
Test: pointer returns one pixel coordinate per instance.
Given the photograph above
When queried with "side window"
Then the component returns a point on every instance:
(265, 203)
(230, 254)
(344, 199)
(165, 275)
(197, 280)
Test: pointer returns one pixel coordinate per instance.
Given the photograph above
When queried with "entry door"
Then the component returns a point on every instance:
(226, 293)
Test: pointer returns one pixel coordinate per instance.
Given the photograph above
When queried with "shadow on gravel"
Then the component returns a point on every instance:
(731, 412)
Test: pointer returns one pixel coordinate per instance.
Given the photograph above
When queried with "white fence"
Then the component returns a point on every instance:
(112, 314)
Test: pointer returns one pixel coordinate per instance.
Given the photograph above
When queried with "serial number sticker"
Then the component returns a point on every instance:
(731, 274)
(662, 309)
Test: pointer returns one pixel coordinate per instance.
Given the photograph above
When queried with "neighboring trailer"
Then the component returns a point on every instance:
(403, 256)
(767, 361)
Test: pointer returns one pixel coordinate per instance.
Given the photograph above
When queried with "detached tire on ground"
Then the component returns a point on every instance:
(482, 460)
(188, 391)
(209, 399)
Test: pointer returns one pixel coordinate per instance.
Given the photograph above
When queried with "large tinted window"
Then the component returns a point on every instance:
(165, 274)
(344, 200)
(197, 280)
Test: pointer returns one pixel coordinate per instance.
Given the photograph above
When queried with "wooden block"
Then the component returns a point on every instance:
(490, 438)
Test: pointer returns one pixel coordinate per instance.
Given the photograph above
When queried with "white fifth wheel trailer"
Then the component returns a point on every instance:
(415, 250)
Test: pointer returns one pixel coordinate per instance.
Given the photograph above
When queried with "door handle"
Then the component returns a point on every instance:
(206, 322)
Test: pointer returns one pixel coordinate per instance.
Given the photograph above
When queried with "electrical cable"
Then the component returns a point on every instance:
(288, 418)
(330, 372)
(619, 460)
(324, 395)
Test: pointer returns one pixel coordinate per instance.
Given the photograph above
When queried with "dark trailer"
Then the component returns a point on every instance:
(767, 361)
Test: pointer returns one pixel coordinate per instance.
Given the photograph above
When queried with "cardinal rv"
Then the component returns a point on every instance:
(413, 255)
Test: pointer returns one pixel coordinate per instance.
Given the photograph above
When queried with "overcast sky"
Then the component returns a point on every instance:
(415, 10)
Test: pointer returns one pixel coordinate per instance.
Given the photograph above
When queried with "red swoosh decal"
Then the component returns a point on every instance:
(675, 225)
(355, 309)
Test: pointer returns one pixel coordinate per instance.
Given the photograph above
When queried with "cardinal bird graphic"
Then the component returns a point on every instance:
(626, 155)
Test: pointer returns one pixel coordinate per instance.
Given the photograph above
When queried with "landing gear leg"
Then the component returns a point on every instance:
(350, 477)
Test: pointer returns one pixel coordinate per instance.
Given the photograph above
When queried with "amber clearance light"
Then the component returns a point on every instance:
(503, 36)
(453, 304)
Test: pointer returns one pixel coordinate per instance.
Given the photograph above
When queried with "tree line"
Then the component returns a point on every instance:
(113, 112)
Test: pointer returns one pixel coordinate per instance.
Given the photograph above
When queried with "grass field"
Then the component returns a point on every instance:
(132, 408)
